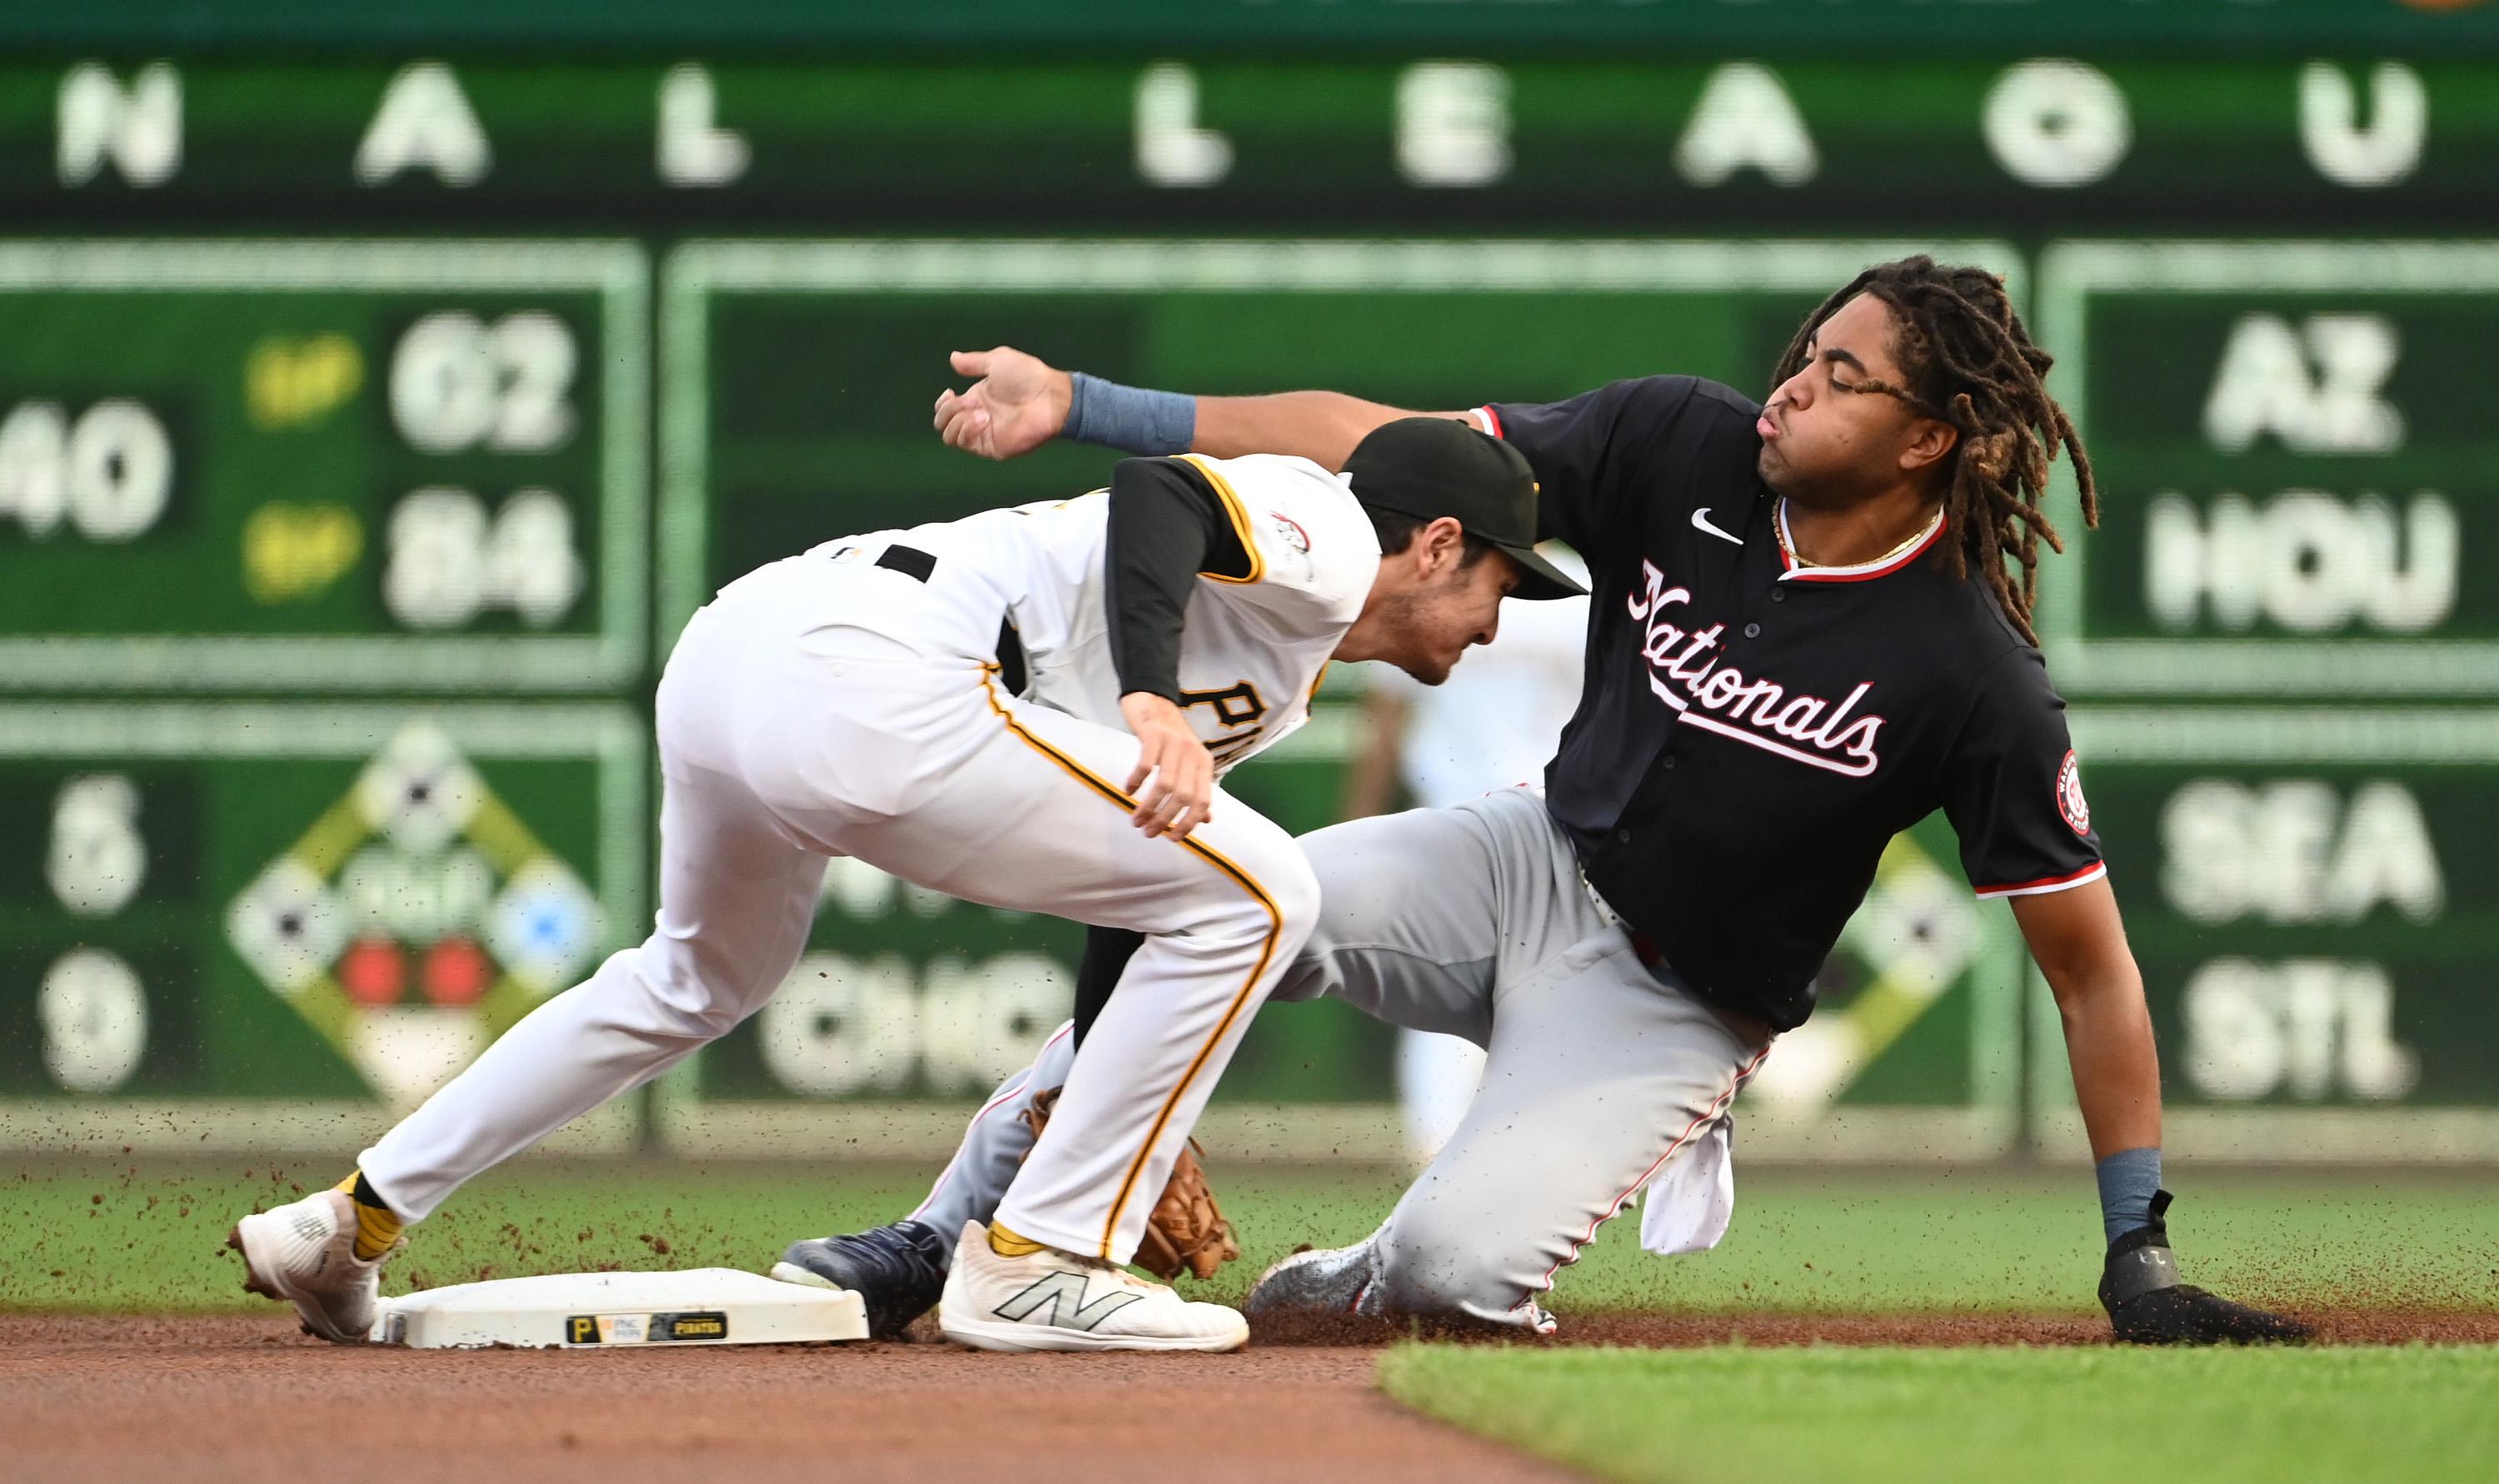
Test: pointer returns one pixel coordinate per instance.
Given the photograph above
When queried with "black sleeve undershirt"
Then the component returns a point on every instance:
(1167, 525)
(1106, 951)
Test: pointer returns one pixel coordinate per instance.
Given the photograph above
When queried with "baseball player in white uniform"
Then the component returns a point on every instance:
(858, 700)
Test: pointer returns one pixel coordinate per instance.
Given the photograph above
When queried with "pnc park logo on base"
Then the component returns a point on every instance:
(690, 1327)
(415, 920)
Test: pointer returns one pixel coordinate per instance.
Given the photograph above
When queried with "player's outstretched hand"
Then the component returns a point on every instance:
(1019, 404)
(1168, 753)
(2148, 1305)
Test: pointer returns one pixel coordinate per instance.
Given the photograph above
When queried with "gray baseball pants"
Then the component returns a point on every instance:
(1473, 921)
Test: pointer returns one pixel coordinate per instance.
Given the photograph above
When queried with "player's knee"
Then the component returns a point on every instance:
(1278, 909)
(1454, 1260)
(711, 1019)
(682, 996)
(1434, 1268)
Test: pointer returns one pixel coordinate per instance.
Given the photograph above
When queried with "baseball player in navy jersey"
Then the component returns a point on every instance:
(1810, 628)
(1030, 708)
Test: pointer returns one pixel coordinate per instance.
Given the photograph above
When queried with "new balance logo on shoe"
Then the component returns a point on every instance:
(1039, 1302)
(1064, 1289)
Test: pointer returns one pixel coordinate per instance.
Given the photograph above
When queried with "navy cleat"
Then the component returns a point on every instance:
(897, 1271)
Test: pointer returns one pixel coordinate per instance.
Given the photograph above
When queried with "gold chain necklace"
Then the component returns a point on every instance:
(1780, 529)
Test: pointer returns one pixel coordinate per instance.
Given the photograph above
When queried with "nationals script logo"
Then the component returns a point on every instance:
(1710, 693)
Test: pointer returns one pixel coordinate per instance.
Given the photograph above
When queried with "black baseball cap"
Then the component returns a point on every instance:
(1430, 467)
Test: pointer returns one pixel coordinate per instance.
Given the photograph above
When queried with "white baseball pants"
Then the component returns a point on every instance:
(819, 708)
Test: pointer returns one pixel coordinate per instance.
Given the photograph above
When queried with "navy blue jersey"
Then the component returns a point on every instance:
(1751, 733)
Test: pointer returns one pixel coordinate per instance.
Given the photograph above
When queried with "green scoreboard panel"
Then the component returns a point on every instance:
(322, 465)
(281, 925)
(2296, 478)
(2296, 484)
(2313, 893)
(795, 380)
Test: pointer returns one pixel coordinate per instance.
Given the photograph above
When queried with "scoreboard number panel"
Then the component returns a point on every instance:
(2295, 487)
(2313, 895)
(298, 466)
(281, 926)
(795, 384)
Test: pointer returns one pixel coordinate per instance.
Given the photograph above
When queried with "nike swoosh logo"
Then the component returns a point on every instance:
(1701, 522)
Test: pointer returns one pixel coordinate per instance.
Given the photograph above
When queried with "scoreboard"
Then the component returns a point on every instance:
(258, 925)
(2292, 473)
(2296, 488)
(322, 465)
(1142, 139)
(2313, 895)
(374, 408)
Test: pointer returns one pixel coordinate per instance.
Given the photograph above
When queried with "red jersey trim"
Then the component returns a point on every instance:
(1861, 572)
(1492, 421)
(2047, 883)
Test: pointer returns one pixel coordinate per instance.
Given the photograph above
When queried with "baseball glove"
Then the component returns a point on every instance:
(1186, 1231)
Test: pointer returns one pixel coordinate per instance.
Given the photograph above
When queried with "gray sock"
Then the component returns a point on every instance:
(2128, 1181)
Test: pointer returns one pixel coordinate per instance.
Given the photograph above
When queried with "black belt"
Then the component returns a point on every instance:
(909, 560)
(1652, 958)
(919, 566)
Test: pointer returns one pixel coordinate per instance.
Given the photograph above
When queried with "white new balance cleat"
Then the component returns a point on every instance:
(1051, 1301)
(305, 1254)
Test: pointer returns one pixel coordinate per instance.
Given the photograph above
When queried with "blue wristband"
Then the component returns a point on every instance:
(2128, 1181)
(1128, 418)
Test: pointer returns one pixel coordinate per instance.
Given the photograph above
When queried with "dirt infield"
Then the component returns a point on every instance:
(230, 1398)
(213, 1398)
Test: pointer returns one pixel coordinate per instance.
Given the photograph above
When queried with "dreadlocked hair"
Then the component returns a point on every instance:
(1970, 364)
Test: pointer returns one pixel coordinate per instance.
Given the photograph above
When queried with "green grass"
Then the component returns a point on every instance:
(148, 1234)
(141, 1235)
(1937, 1416)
